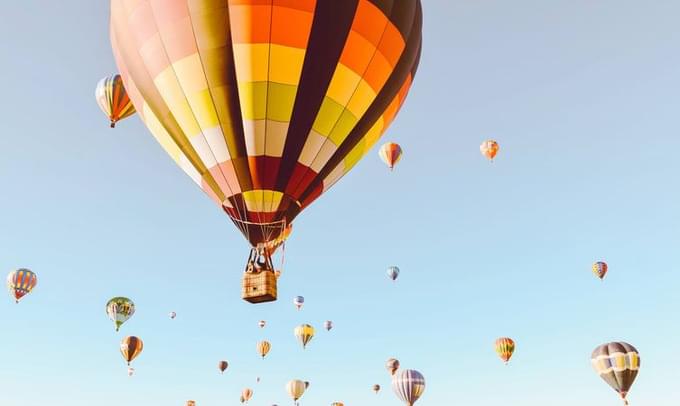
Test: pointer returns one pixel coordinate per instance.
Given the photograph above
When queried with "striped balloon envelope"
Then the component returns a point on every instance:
(266, 104)
(113, 99)
(505, 347)
(21, 282)
(390, 154)
(489, 149)
(600, 269)
(408, 385)
(618, 363)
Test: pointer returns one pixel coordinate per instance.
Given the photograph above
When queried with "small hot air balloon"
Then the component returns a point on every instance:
(304, 333)
(131, 371)
(337, 404)
(120, 309)
(222, 366)
(504, 348)
(390, 153)
(262, 323)
(131, 347)
(257, 380)
(191, 403)
(21, 282)
(172, 315)
(489, 149)
(241, 399)
(392, 365)
(376, 388)
(295, 389)
(306, 385)
(408, 385)
(263, 348)
(246, 394)
(113, 99)
(277, 273)
(618, 364)
(328, 325)
(600, 269)
(393, 272)
(298, 301)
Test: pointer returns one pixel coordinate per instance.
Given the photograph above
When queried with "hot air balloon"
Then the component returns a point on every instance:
(337, 404)
(172, 315)
(304, 333)
(130, 371)
(191, 403)
(263, 348)
(120, 309)
(246, 394)
(408, 385)
(618, 364)
(113, 99)
(390, 153)
(295, 389)
(600, 269)
(266, 108)
(131, 347)
(241, 399)
(489, 149)
(262, 323)
(298, 301)
(328, 325)
(376, 388)
(257, 380)
(504, 348)
(306, 385)
(222, 366)
(393, 272)
(392, 365)
(21, 282)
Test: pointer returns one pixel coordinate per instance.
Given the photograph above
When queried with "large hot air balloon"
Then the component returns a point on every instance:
(222, 366)
(131, 347)
(328, 325)
(618, 364)
(408, 385)
(600, 269)
(21, 282)
(304, 333)
(392, 365)
(504, 348)
(266, 105)
(295, 388)
(376, 388)
(246, 394)
(393, 272)
(298, 301)
(119, 310)
(489, 149)
(390, 153)
(113, 99)
(263, 348)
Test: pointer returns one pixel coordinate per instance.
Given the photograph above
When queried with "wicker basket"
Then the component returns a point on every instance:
(259, 286)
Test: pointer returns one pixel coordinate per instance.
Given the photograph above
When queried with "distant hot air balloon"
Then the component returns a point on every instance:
(131, 347)
(246, 394)
(120, 309)
(328, 325)
(21, 282)
(191, 403)
(600, 269)
(504, 348)
(298, 301)
(241, 399)
(263, 348)
(408, 385)
(489, 149)
(304, 333)
(113, 99)
(376, 388)
(306, 385)
(390, 153)
(257, 380)
(172, 315)
(131, 371)
(337, 404)
(222, 366)
(262, 323)
(393, 272)
(265, 111)
(295, 389)
(618, 364)
(392, 365)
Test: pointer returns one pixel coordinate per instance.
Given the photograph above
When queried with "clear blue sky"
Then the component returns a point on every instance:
(583, 97)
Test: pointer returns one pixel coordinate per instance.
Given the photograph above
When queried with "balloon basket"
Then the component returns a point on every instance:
(259, 281)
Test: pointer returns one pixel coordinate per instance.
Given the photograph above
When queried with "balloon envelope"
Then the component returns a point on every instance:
(390, 153)
(393, 272)
(618, 363)
(120, 309)
(131, 347)
(489, 149)
(392, 365)
(295, 388)
(600, 269)
(505, 347)
(113, 99)
(263, 348)
(222, 366)
(21, 282)
(304, 333)
(328, 325)
(408, 385)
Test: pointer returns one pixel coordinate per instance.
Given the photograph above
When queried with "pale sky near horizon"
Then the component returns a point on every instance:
(583, 97)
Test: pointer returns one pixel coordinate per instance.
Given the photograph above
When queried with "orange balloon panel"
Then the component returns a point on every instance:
(265, 104)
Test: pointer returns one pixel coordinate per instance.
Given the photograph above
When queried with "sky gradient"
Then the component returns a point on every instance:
(583, 99)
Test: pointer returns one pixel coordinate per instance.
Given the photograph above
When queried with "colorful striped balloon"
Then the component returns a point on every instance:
(246, 394)
(489, 149)
(618, 364)
(222, 366)
(304, 333)
(119, 310)
(298, 301)
(600, 269)
(392, 365)
(390, 153)
(131, 347)
(113, 99)
(263, 348)
(408, 385)
(505, 347)
(21, 282)
(295, 388)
